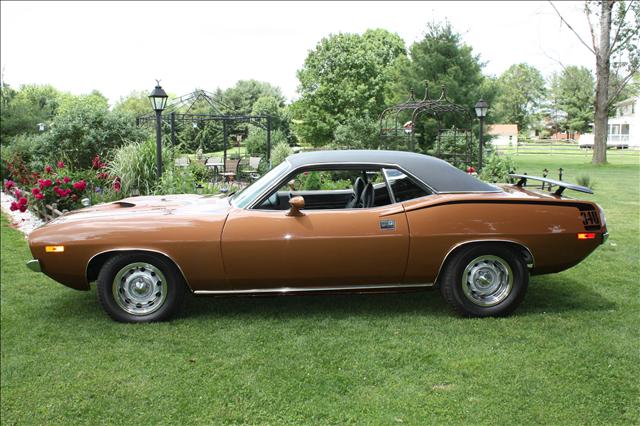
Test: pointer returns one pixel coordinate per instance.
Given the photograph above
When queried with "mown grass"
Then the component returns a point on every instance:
(569, 355)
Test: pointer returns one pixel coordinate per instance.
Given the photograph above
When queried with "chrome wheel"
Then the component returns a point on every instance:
(139, 288)
(487, 280)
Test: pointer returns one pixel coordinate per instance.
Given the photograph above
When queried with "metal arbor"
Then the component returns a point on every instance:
(179, 112)
(400, 120)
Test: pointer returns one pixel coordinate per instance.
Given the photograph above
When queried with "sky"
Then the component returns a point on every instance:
(118, 47)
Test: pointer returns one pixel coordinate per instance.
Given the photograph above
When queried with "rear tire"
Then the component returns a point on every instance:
(140, 287)
(484, 280)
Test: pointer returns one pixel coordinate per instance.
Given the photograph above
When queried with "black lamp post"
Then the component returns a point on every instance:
(158, 100)
(481, 111)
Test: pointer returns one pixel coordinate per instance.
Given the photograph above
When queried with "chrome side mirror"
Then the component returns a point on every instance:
(297, 204)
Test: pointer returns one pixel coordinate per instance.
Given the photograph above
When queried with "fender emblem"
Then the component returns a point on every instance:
(388, 225)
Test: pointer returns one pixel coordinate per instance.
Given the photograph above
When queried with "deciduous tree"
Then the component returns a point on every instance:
(521, 89)
(344, 78)
(615, 43)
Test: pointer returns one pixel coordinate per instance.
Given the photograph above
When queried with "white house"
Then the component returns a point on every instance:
(624, 126)
(503, 134)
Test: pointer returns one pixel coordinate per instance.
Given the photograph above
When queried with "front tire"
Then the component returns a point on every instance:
(485, 280)
(140, 287)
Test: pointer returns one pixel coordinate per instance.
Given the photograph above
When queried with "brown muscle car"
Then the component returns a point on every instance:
(330, 221)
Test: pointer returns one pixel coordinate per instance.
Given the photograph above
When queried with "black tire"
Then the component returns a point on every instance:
(499, 260)
(168, 296)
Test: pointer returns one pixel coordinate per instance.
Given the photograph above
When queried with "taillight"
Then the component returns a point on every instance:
(586, 235)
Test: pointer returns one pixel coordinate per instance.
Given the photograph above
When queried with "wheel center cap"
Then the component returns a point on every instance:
(140, 287)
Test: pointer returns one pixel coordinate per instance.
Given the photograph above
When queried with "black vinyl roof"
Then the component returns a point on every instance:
(437, 174)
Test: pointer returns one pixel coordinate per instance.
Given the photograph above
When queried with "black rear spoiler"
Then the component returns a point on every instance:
(552, 182)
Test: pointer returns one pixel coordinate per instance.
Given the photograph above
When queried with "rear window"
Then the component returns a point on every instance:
(403, 187)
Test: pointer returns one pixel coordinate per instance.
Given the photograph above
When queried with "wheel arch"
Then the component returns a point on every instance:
(526, 253)
(99, 259)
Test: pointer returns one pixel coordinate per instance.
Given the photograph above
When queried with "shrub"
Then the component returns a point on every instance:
(585, 180)
(134, 167)
(84, 129)
(256, 143)
(497, 167)
(280, 152)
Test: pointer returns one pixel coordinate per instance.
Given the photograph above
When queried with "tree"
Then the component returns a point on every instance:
(572, 93)
(521, 89)
(241, 97)
(23, 109)
(135, 104)
(442, 60)
(345, 77)
(615, 44)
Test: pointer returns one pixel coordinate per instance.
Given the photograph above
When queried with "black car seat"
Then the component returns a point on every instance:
(368, 196)
(358, 187)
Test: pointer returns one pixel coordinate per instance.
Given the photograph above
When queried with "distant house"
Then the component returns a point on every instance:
(624, 127)
(503, 134)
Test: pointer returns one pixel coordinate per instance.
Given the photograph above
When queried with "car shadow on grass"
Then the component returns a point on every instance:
(331, 305)
(549, 294)
(559, 293)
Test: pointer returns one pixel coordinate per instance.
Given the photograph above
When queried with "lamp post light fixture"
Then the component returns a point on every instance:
(481, 111)
(158, 98)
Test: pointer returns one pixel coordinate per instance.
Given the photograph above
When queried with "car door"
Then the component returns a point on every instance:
(322, 248)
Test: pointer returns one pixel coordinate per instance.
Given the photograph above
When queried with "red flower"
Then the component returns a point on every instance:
(96, 164)
(39, 196)
(46, 183)
(60, 165)
(66, 179)
(22, 201)
(9, 184)
(35, 191)
(80, 185)
(48, 169)
(58, 181)
(14, 206)
(470, 169)
(23, 208)
(17, 193)
(103, 175)
(117, 186)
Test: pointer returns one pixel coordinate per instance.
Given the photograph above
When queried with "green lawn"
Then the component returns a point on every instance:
(569, 355)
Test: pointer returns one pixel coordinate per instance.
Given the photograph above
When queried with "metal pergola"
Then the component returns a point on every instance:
(389, 118)
(179, 111)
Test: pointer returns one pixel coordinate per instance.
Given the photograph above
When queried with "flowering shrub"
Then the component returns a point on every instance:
(62, 187)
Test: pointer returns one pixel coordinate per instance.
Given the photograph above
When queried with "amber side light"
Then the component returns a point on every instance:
(586, 235)
(54, 249)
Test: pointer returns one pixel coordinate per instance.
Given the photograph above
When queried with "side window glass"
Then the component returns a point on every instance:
(332, 189)
(403, 187)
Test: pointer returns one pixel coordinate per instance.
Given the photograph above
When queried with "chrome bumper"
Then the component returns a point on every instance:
(34, 265)
(605, 236)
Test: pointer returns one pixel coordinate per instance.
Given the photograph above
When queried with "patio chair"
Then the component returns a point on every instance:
(230, 170)
(251, 169)
(215, 164)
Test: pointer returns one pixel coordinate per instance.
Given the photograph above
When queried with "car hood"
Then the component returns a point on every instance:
(188, 204)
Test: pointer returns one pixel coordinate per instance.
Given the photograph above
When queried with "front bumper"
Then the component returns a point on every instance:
(34, 265)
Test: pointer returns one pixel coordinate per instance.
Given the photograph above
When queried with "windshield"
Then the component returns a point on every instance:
(245, 197)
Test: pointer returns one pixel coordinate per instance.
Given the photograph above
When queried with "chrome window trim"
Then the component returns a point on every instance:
(490, 240)
(294, 171)
(285, 290)
(86, 269)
